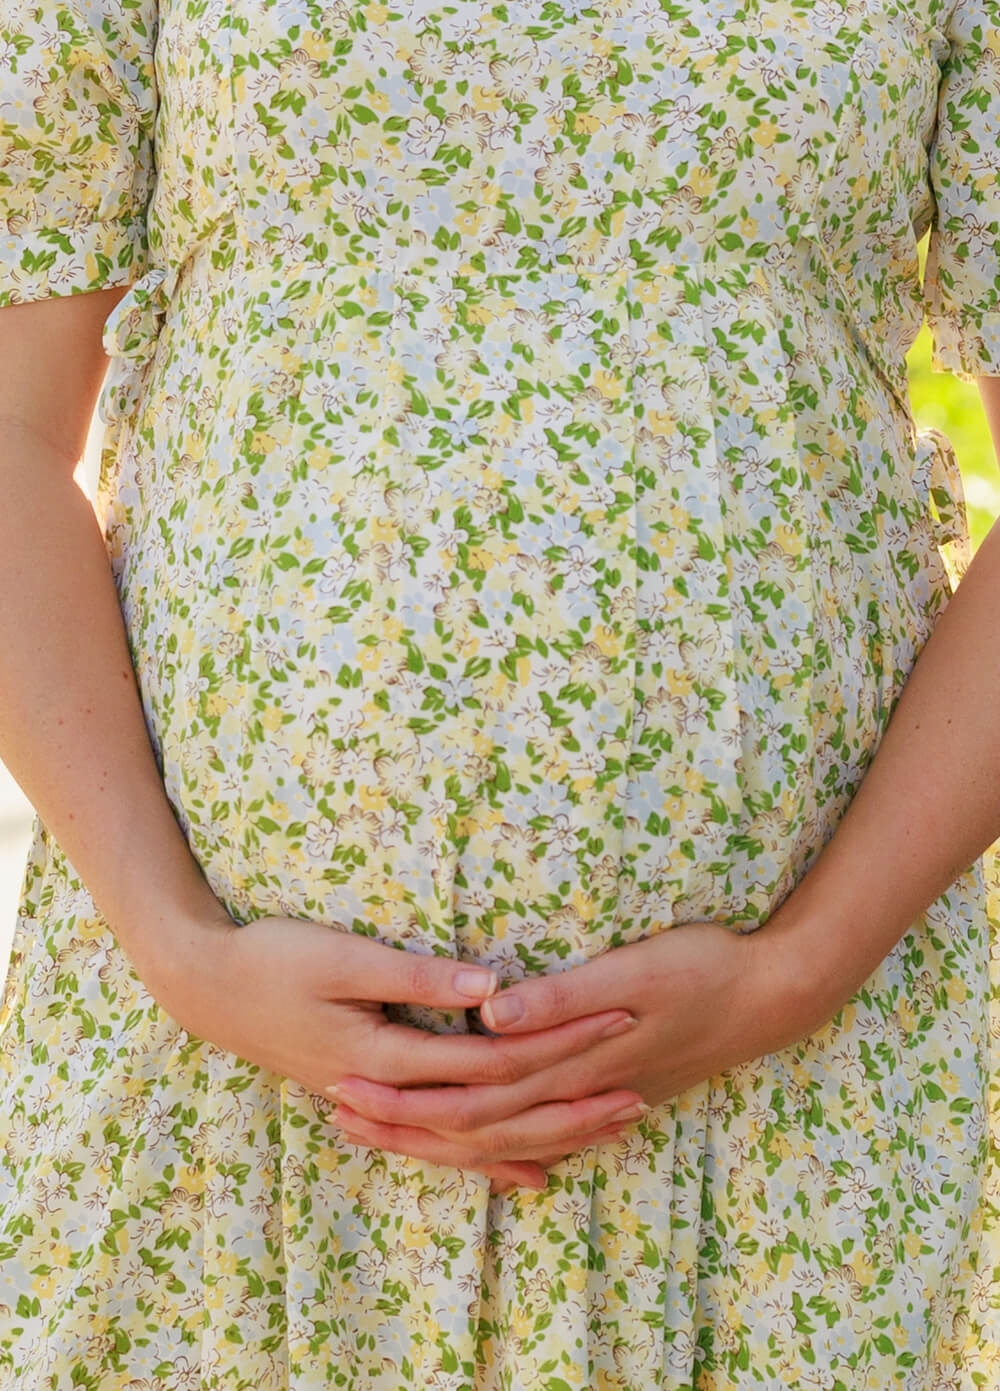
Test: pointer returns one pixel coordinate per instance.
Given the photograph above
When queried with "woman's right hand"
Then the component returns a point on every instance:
(306, 1001)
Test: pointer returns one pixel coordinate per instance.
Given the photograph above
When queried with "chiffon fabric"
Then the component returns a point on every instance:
(523, 536)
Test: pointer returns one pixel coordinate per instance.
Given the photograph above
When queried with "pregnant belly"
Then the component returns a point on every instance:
(495, 663)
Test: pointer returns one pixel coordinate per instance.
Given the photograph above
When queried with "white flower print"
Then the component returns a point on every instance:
(512, 513)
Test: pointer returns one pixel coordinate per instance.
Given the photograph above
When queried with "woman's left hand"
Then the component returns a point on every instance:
(704, 998)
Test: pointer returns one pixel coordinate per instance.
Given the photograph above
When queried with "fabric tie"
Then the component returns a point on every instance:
(131, 331)
(940, 481)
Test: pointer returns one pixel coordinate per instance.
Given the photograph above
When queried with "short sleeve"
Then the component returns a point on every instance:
(962, 276)
(77, 111)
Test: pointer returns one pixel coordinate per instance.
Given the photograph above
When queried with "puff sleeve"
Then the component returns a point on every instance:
(77, 111)
(962, 275)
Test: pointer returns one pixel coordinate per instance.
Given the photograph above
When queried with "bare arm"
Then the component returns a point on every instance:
(929, 804)
(71, 724)
(989, 391)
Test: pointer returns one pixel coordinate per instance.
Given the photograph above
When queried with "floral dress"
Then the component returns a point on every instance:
(522, 534)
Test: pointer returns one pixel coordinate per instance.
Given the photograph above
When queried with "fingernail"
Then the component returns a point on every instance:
(505, 1009)
(620, 1026)
(334, 1093)
(475, 982)
(632, 1112)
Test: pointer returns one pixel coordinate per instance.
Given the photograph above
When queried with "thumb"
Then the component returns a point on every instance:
(367, 970)
(544, 1001)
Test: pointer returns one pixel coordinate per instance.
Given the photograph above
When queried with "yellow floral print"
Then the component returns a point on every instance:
(523, 537)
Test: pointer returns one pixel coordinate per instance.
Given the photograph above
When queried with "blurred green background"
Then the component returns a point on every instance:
(954, 406)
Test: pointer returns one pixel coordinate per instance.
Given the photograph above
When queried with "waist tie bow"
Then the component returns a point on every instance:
(130, 334)
(939, 480)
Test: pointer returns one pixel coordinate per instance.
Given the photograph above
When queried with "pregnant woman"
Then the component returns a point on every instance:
(512, 541)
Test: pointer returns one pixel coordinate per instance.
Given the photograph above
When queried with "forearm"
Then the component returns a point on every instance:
(71, 724)
(926, 810)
